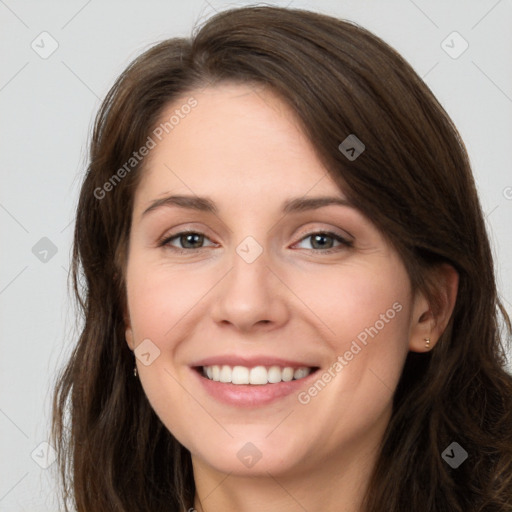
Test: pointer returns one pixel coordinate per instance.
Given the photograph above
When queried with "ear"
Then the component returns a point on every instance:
(128, 333)
(430, 321)
(129, 338)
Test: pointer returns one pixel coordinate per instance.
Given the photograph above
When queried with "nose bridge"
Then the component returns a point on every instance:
(250, 250)
(250, 267)
(249, 293)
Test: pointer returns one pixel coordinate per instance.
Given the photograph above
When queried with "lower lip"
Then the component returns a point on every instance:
(251, 395)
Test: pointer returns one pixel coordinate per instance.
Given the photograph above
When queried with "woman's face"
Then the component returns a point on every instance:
(270, 285)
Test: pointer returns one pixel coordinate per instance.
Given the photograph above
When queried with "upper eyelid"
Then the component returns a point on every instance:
(331, 231)
(190, 228)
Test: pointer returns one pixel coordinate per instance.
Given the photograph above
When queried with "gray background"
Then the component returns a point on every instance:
(47, 106)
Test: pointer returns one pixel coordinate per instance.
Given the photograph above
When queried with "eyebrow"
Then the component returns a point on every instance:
(204, 204)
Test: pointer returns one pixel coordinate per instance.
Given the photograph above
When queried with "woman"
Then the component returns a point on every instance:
(247, 371)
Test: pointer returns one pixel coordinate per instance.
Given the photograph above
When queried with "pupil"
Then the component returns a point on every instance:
(317, 237)
(190, 236)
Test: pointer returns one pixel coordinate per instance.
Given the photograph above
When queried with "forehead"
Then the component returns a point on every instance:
(238, 141)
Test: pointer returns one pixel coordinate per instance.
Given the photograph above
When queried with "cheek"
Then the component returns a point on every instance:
(364, 316)
(160, 296)
(355, 300)
(159, 299)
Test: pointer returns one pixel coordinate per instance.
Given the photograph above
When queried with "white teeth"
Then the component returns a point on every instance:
(274, 374)
(258, 375)
(240, 375)
(225, 374)
(300, 373)
(287, 374)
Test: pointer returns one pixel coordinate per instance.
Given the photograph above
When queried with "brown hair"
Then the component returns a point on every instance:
(413, 181)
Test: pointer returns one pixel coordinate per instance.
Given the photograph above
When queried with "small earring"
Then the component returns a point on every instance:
(427, 343)
(135, 371)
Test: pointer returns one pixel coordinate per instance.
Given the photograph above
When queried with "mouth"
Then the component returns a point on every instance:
(256, 375)
(252, 381)
(253, 386)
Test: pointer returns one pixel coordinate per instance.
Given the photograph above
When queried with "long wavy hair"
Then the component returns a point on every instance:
(413, 180)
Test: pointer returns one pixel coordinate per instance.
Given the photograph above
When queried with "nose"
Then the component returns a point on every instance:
(251, 296)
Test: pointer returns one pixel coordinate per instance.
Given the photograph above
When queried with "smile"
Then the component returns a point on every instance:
(258, 375)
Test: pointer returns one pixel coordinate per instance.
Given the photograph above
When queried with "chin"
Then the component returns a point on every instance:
(252, 456)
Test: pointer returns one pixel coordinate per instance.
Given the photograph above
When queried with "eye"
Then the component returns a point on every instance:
(193, 240)
(320, 241)
(189, 241)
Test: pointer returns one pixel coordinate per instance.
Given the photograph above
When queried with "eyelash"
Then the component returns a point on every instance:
(344, 242)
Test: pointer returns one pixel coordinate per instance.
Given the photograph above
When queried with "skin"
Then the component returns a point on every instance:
(242, 148)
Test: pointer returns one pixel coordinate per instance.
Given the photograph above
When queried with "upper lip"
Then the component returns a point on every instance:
(250, 362)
